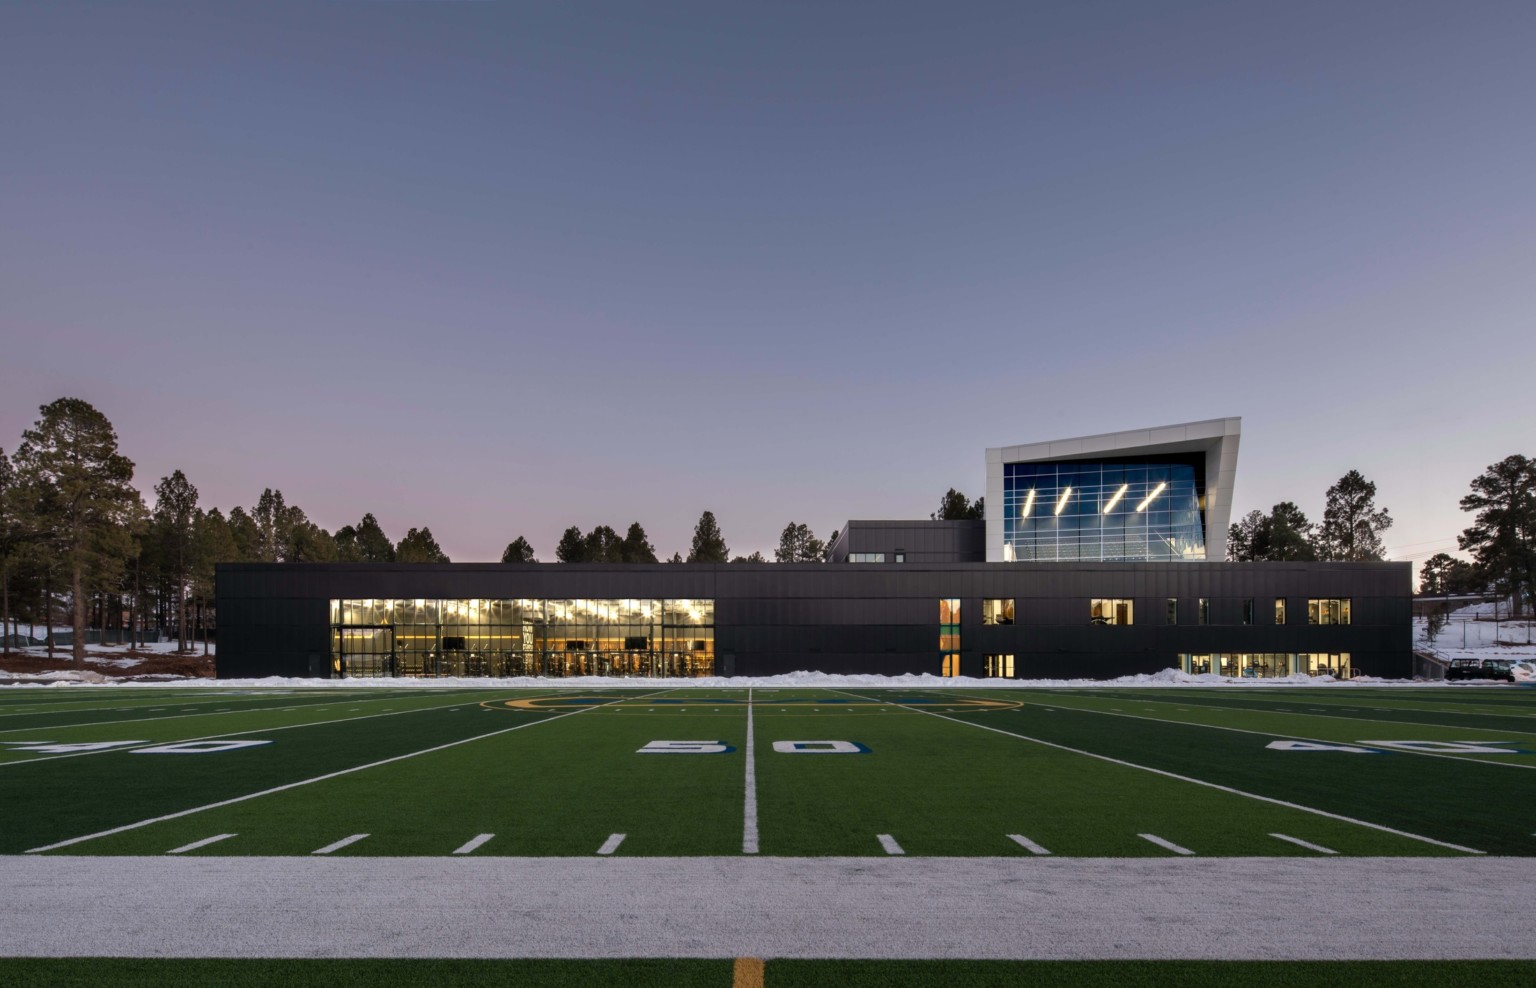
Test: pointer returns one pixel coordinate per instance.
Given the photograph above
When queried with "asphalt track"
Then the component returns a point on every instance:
(898, 908)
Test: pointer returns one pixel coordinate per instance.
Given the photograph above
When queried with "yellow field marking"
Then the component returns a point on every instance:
(748, 973)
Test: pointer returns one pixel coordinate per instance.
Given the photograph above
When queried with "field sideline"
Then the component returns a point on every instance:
(865, 824)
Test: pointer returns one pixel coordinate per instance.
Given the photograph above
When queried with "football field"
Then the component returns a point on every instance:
(540, 793)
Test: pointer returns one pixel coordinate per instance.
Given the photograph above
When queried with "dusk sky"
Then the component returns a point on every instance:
(499, 269)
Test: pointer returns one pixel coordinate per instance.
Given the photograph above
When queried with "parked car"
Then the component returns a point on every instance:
(1464, 669)
(1498, 669)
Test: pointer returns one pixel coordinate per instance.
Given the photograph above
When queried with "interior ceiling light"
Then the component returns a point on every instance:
(1116, 499)
(1155, 492)
(1061, 505)
(1029, 502)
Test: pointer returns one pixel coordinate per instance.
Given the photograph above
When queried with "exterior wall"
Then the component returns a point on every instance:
(781, 618)
(919, 541)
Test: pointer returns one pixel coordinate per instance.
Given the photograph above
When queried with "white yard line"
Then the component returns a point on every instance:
(749, 807)
(1300, 737)
(1027, 844)
(1320, 849)
(1011, 907)
(1190, 779)
(338, 845)
(889, 843)
(319, 778)
(1166, 845)
(611, 844)
(473, 844)
(183, 849)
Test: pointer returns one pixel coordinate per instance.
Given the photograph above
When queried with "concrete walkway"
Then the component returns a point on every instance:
(1065, 908)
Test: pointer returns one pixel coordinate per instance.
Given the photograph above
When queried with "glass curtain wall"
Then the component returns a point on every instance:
(641, 638)
(1102, 512)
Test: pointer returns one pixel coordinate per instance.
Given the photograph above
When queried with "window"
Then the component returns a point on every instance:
(1111, 610)
(1279, 610)
(1000, 666)
(949, 627)
(1247, 610)
(901, 556)
(866, 557)
(1104, 510)
(1173, 610)
(1324, 664)
(951, 665)
(1204, 612)
(1328, 610)
(997, 610)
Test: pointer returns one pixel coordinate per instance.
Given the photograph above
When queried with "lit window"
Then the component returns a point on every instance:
(1111, 610)
(1328, 610)
(1173, 610)
(1000, 666)
(1279, 610)
(951, 665)
(949, 629)
(1204, 612)
(997, 610)
(866, 557)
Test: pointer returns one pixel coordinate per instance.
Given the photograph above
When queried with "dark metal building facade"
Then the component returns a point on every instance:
(1049, 620)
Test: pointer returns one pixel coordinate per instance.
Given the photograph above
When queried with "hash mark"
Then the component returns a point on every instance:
(889, 843)
(1166, 844)
(476, 842)
(327, 849)
(183, 849)
(611, 844)
(1027, 844)
(1320, 849)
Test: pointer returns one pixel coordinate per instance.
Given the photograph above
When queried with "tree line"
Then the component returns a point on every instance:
(78, 540)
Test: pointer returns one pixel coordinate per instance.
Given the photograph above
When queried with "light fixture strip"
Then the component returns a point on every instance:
(1029, 502)
(1155, 492)
(1061, 505)
(1116, 499)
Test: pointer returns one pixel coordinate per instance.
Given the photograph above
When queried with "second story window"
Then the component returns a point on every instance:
(1111, 610)
(1328, 610)
(866, 557)
(997, 610)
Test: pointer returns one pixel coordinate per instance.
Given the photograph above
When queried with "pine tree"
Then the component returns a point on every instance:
(1288, 534)
(212, 543)
(708, 544)
(637, 545)
(797, 544)
(519, 550)
(1502, 538)
(756, 557)
(246, 535)
(1244, 538)
(419, 546)
(604, 546)
(365, 542)
(572, 547)
(1352, 524)
(954, 506)
(176, 504)
(86, 500)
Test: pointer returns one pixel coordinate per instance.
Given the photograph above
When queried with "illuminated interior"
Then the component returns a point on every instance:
(1103, 512)
(1268, 665)
(556, 638)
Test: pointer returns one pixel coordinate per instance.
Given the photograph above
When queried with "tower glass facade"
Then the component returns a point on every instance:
(1093, 511)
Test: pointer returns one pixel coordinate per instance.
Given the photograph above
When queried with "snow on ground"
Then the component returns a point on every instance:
(793, 680)
(1471, 632)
